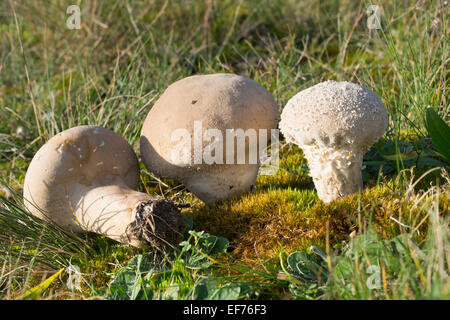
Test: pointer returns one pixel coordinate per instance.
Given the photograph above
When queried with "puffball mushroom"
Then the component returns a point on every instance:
(334, 123)
(85, 179)
(205, 108)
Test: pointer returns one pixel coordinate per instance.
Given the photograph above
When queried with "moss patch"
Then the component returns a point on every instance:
(284, 211)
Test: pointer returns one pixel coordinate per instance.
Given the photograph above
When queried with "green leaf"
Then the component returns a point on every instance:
(403, 156)
(37, 291)
(306, 267)
(197, 255)
(171, 292)
(429, 162)
(213, 245)
(129, 284)
(439, 132)
(212, 291)
(320, 253)
(189, 226)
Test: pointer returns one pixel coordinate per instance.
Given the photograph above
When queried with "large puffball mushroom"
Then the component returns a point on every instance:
(186, 133)
(85, 179)
(335, 123)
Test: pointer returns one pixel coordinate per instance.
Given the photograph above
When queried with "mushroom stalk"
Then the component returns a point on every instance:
(125, 215)
(335, 174)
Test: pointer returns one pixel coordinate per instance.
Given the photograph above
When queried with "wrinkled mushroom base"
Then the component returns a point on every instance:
(336, 173)
(158, 224)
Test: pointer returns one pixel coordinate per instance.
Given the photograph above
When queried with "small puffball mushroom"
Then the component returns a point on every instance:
(75, 181)
(206, 107)
(334, 123)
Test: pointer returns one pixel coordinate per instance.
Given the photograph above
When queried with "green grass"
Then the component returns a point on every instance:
(112, 70)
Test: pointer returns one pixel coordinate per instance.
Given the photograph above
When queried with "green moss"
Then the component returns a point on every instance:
(283, 211)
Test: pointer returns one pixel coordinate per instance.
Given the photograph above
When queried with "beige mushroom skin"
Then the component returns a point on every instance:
(218, 101)
(85, 179)
(335, 123)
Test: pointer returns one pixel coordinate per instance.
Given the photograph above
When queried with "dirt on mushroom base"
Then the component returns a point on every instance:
(159, 223)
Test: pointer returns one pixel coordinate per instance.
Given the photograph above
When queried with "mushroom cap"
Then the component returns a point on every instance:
(334, 114)
(218, 101)
(78, 158)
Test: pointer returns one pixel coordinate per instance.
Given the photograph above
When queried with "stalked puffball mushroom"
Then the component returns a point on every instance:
(335, 123)
(190, 133)
(85, 179)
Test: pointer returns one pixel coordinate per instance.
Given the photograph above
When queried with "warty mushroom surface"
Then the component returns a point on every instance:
(335, 124)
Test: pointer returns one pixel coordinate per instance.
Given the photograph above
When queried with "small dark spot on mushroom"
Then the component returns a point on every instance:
(338, 140)
(194, 101)
(325, 139)
(231, 187)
